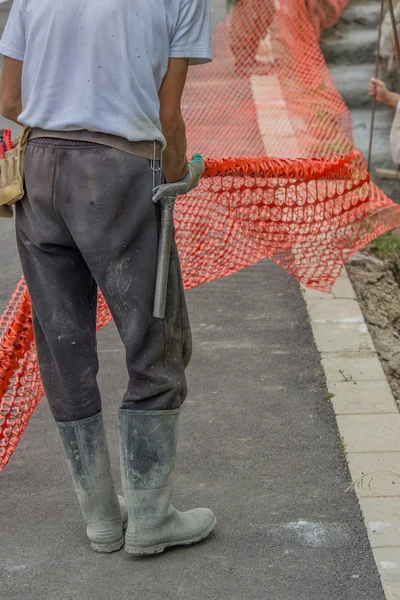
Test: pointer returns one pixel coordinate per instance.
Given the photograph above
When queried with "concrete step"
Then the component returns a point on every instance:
(361, 118)
(350, 48)
(352, 83)
(363, 14)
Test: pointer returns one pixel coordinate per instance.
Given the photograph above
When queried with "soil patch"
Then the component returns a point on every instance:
(375, 275)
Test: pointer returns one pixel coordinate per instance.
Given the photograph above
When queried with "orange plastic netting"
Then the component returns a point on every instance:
(267, 93)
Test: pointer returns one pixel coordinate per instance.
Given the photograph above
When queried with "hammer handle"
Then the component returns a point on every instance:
(164, 254)
(387, 173)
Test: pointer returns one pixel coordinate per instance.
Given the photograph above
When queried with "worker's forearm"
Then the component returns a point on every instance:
(392, 99)
(174, 157)
(12, 111)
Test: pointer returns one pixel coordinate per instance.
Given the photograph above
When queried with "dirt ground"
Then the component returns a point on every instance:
(375, 274)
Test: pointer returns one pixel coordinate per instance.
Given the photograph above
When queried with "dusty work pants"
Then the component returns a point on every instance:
(88, 220)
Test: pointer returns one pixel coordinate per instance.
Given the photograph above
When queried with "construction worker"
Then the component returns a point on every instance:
(100, 84)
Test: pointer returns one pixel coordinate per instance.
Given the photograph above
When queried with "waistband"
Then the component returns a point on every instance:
(144, 149)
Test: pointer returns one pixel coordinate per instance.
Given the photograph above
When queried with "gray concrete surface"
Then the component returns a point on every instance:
(365, 14)
(350, 48)
(259, 446)
(351, 81)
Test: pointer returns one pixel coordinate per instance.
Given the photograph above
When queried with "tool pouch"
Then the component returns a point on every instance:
(12, 174)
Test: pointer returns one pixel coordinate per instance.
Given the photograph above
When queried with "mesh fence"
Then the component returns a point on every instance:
(268, 93)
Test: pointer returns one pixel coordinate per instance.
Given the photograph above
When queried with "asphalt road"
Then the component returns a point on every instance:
(259, 446)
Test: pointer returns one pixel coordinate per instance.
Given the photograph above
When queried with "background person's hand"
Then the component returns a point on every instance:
(378, 90)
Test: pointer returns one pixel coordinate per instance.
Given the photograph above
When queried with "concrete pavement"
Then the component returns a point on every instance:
(259, 446)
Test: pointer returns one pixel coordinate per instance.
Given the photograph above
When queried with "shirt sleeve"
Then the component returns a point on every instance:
(395, 137)
(192, 35)
(12, 43)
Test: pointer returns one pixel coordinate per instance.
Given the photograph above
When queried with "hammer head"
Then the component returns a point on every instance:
(169, 190)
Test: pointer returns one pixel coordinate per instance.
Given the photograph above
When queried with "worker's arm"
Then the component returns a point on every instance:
(395, 137)
(10, 89)
(173, 127)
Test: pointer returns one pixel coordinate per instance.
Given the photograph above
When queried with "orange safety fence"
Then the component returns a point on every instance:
(268, 93)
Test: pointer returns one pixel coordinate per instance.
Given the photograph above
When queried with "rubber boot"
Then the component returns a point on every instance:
(148, 444)
(85, 447)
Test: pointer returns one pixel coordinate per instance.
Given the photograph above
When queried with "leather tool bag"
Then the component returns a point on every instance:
(12, 174)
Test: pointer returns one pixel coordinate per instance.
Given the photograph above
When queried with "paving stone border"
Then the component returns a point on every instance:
(367, 416)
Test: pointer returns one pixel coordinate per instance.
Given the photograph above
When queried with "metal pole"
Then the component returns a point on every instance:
(377, 58)
(395, 36)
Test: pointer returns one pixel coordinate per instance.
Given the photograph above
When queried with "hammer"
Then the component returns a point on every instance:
(165, 195)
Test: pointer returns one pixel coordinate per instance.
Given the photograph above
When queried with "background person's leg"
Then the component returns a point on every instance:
(250, 22)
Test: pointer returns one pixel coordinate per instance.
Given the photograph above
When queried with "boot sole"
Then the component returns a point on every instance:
(107, 548)
(159, 548)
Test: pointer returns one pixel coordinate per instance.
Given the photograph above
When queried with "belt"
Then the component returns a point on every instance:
(144, 149)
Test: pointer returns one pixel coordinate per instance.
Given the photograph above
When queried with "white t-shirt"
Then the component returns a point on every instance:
(395, 137)
(99, 64)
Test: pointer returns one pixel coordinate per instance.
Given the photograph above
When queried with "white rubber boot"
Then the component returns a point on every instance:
(148, 444)
(85, 447)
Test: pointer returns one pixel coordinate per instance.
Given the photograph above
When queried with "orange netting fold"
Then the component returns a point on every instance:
(268, 93)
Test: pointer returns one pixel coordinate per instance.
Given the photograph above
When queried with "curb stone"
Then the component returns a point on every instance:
(367, 416)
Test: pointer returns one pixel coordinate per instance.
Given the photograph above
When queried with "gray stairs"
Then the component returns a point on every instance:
(350, 81)
(363, 14)
(351, 48)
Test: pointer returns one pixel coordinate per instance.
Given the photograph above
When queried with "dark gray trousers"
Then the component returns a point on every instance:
(88, 220)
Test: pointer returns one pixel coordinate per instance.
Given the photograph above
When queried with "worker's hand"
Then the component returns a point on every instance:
(378, 90)
(195, 170)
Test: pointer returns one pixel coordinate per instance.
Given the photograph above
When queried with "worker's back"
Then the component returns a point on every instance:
(98, 64)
